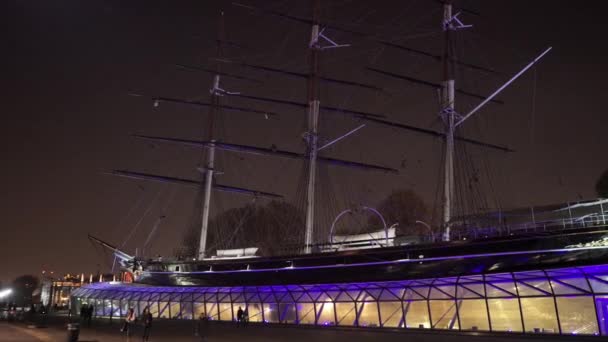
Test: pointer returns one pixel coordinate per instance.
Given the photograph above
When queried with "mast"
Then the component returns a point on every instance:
(313, 123)
(448, 113)
(215, 94)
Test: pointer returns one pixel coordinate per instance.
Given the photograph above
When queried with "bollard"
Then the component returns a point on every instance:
(73, 332)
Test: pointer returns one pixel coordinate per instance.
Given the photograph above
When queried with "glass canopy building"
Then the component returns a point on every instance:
(557, 301)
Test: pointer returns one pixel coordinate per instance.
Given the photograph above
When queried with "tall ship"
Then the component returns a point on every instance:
(467, 257)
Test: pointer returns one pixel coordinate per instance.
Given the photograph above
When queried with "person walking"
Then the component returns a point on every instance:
(202, 327)
(147, 321)
(129, 321)
(246, 316)
(89, 315)
(239, 316)
(83, 312)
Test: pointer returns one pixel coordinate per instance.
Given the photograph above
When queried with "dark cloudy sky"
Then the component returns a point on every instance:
(68, 65)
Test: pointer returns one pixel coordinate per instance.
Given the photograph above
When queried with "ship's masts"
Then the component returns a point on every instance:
(210, 160)
(313, 121)
(447, 106)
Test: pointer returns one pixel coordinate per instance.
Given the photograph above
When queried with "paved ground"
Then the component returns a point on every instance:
(184, 331)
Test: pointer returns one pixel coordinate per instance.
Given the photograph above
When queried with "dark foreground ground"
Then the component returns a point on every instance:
(178, 331)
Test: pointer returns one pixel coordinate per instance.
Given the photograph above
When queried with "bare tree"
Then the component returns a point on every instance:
(404, 207)
(270, 227)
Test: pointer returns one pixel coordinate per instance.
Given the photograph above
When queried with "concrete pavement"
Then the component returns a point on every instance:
(184, 331)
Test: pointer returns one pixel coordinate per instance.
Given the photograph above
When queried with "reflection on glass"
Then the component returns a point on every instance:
(539, 315)
(577, 315)
(505, 315)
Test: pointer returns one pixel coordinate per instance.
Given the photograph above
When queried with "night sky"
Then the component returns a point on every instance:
(69, 65)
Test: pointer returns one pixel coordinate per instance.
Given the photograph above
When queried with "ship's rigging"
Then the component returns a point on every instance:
(319, 41)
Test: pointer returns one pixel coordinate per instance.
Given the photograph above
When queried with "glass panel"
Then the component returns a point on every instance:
(306, 313)
(505, 315)
(501, 289)
(225, 311)
(412, 295)
(417, 314)
(559, 288)
(598, 286)
(153, 309)
(579, 282)
(346, 313)
(421, 291)
(391, 314)
(534, 288)
(577, 315)
(175, 310)
(115, 308)
(326, 313)
(101, 308)
(473, 314)
(601, 302)
(463, 292)
(199, 310)
(163, 309)
(271, 313)
(211, 309)
(287, 312)
(141, 306)
(255, 312)
(368, 316)
(443, 314)
(186, 312)
(539, 315)
(436, 294)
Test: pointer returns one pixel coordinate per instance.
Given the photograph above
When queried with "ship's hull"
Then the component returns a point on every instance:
(539, 251)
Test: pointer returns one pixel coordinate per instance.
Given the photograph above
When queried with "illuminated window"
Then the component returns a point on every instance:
(346, 313)
(417, 314)
(306, 313)
(226, 312)
(577, 315)
(255, 312)
(391, 314)
(443, 314)
(505, 315)
(163, 310)
(271, 313)
(325, 313)
(539, 315)
(473, 314)
(368, 314)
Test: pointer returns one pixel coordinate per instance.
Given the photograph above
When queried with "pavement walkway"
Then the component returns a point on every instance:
(184, 331)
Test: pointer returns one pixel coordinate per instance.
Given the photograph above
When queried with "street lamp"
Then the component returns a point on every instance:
(5, 293)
